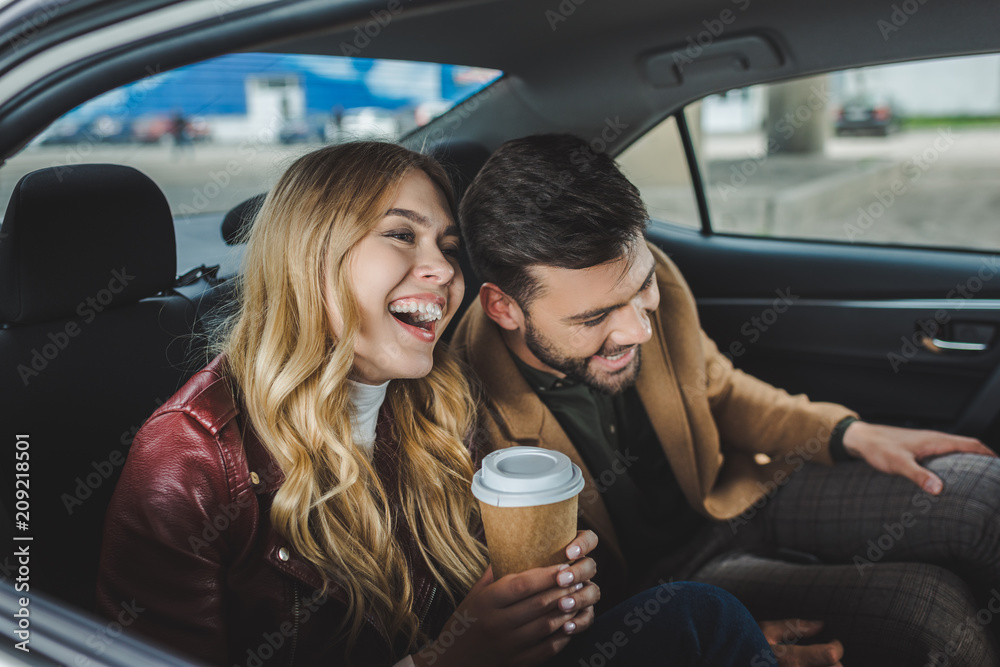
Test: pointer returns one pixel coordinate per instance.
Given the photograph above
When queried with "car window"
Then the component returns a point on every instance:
(657, 165)
(215, 133)
(904, 154)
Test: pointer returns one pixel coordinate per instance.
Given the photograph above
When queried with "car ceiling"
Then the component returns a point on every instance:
(589, 67)
(516, 35)
(569, 75)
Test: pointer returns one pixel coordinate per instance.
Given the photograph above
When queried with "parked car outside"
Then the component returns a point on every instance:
(867, 115)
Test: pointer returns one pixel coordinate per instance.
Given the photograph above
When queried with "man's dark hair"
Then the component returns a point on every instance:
(547, 200)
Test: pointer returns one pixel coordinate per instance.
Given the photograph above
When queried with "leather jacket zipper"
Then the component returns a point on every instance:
(427, 607)
(295, 623)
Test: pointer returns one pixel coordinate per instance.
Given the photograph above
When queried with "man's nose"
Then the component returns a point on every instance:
(633, 327)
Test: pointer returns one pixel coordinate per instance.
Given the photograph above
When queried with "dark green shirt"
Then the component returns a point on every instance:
(617, 442)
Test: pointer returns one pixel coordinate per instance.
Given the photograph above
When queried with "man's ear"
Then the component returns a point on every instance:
(500, 307)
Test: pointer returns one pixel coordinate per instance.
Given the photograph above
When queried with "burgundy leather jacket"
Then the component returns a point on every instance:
(189, 547)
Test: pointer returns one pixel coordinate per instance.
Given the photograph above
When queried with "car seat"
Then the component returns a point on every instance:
(92, 339)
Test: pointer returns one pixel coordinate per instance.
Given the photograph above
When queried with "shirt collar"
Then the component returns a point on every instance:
(540, 380)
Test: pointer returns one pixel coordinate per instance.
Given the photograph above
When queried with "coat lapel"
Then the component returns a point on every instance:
(665, 362)
(673, 386)
(658, 388)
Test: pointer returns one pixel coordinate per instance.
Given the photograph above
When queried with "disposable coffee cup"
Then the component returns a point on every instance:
(528, 498)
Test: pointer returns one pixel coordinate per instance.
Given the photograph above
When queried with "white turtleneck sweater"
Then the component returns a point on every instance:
(367, 401)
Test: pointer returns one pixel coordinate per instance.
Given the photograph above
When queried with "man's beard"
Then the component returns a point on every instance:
(579, 369)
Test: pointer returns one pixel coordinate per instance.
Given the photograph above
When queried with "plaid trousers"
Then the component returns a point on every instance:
(899, 576)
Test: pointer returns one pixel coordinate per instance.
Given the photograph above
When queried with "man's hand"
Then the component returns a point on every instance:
(896, 451)
(784, 635)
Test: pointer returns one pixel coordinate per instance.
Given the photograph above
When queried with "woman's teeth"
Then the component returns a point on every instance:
(421, 312)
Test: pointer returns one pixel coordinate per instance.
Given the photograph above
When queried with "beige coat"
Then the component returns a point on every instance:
(713, 421)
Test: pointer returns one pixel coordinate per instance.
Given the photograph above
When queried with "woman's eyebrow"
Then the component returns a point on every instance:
(423, 221)
(413, 216)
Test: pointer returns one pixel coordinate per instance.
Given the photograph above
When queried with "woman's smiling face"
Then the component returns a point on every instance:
(407, 282)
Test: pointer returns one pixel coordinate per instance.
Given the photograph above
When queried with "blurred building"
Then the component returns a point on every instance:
(287, 97)
(949, 87)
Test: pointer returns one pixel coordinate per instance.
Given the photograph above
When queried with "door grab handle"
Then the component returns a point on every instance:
(937, 345)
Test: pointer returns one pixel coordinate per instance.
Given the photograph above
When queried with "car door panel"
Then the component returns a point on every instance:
(850, 323)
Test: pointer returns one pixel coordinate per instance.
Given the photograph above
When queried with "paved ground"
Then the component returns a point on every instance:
(920, 187)
(925, 187)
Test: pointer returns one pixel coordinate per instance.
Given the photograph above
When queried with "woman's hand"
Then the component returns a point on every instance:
(523, 619)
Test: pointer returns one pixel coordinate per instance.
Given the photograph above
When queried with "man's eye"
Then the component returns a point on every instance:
(594, 322)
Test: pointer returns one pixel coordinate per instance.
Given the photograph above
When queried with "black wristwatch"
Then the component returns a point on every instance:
(837, 451)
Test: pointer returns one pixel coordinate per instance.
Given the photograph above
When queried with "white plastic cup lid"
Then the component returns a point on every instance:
(526, 476)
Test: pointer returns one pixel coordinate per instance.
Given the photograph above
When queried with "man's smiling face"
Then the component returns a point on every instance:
(588, 324)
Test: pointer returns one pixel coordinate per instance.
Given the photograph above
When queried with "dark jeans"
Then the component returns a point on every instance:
(677, 624)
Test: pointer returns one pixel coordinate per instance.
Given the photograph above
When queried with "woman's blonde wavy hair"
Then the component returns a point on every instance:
(291, 373)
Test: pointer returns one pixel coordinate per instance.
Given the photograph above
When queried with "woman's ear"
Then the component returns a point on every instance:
(500, 307)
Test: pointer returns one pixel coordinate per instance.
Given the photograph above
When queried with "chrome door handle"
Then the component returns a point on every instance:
(938, 346)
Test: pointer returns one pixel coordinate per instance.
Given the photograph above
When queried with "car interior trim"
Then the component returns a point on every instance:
(882, 304)
(115, 36)
(696, 181)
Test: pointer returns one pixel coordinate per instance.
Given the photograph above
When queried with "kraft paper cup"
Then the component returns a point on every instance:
(528, 499)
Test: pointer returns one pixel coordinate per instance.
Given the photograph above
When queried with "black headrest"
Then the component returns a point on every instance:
(90, 236)
(240, 217)
(462, 160)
